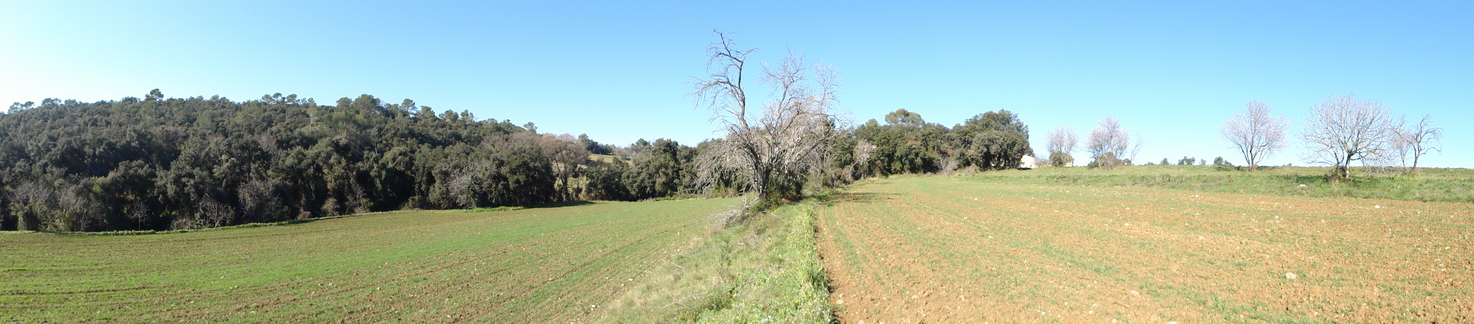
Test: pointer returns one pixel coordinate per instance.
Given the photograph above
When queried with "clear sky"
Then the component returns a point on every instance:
(1172, 72)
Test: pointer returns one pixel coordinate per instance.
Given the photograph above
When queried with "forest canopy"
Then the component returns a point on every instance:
(157, 163)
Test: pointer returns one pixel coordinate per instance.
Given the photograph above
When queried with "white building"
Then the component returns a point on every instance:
(1027, 162)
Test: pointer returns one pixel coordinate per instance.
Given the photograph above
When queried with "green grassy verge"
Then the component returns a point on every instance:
(1447, 185)
(546, 264)
(765, 270)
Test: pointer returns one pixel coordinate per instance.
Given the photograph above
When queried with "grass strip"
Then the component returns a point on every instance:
(766, 269)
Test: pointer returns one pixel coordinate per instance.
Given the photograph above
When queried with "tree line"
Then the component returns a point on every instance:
(157, 163)
(1341, 130)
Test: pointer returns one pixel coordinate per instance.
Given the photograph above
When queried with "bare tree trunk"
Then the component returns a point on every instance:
(1415, 163)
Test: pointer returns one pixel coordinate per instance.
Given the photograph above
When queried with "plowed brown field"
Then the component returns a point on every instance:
(939, 249)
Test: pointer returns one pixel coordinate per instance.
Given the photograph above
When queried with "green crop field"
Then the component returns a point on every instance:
(981, 249)
(554, 264)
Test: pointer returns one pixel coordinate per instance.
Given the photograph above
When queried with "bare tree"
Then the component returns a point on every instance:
(1062, 141)
(1342, 129)
(1107, 143)
(1418, 139)
(774, 152)
(1135, 148)
(863, 150)
(33, 203)
(1392, 158)
(1255, 133)
(566, 156)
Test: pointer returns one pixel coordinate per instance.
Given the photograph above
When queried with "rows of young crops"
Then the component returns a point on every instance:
(952, 250)
(539, 265)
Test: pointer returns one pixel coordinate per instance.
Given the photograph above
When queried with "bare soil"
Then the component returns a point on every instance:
(938, 249)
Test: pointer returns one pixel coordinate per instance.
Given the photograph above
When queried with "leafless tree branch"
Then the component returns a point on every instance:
(1255, 133)
(1343, 129)
(1108, 143)
(777, 150)
(1417, 140)
(1062, 141)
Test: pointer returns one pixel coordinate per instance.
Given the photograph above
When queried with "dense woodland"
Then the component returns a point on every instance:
(159, 163)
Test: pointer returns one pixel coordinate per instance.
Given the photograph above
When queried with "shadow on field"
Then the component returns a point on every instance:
(177, 231)
(563, 204)
(1305, 179)
(860, 197)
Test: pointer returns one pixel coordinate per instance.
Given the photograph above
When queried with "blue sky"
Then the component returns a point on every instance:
(1172, 72)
